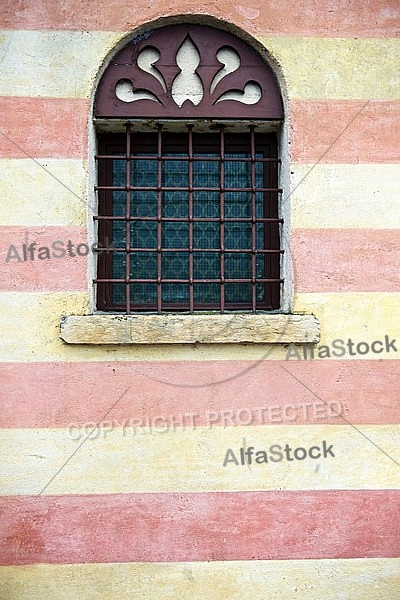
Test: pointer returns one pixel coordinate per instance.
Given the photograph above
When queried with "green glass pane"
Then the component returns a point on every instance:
(175, 172)
(118, 291)
(238, 293)
(206, 173)
(207, 265)
(175, 265)
(144, 172)
(237, 266)
(143, 234)
(175, 293)
(119, 234)
(143, 293)
(238, 235)
(119, 197)
(206, 205)
(119, 262)
(143, 265)
(206, 235)
(206, 293)
(175, 234)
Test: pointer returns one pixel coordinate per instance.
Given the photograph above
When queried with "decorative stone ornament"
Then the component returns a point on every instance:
(188, 71)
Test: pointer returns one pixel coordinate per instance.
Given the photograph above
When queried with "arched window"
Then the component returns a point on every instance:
(188, 191)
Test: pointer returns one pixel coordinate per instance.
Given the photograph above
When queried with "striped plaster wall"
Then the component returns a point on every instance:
(144, 507)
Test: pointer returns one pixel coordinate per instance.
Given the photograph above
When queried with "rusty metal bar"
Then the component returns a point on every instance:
(100, 249)
(227, 280)
(184, 219)
(222, 217)
(190, 173)
(253, 221)
(159, 218)
(128, 227)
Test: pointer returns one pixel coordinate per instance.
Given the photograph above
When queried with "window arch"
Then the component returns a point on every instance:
(188, 162)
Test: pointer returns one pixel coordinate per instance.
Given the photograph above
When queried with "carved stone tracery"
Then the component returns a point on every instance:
(185, 71)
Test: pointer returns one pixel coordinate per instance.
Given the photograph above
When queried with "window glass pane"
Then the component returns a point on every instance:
(238, 235)
(143, 265)
(206, 174)
(144, 174)
(143, 234)
(206, 293)
(118, 293)
(237, 265)
(144, 294)
(240, 204)
(238, 293)
(206, 235)
(119, 234)
(207, 265)
(175, 234)
(119, 196)
(175, 293)
(118, 272)
(206, 205)
(237, 173)
(175, 265)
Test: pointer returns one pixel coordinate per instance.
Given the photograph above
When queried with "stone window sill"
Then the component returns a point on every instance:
(234, 328)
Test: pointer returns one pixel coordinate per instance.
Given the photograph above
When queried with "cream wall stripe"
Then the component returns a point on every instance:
(36, 316)
(329, 195)
(355, 196)
(133, 460)
(359, 316)
(338, 68)
(31, 195)
(358, 579)
(313, 67)
(55, 64)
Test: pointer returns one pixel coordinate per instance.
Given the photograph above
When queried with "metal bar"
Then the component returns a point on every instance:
(194, 250)
(191, 266)
(142, 188)
(253, 222)
(228, 280)
(222, 217)
(159, 218)
(196, 157)
(128, 227)
(195, 219)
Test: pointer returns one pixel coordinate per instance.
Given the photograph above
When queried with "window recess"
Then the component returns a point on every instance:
(188, 221)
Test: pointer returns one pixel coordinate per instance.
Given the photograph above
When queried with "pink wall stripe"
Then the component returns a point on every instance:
(59, 268)
(346, 260)
(200, 527)
(325, 260)
(43, 127)
(57, 127)
(35, 394)
(370, 137)
(341, 18)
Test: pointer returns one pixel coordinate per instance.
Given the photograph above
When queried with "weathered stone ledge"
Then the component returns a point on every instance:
(189, 329)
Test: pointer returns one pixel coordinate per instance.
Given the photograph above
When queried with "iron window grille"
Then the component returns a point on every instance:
(188, 221)
(188, 215)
